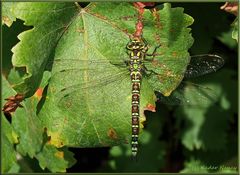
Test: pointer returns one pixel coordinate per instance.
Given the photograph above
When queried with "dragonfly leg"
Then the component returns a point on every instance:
(148, 72)
(144, 41)
(153, 54)
(146, 44)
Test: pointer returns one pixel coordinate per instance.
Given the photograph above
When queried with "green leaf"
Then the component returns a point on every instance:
(87, 92)
(8, 154)
(7, 17)
(9, 138)
(174, 42)
(68, 32)
(8, 157)
(171, 32)
(28, 127)
(9, 39)
(37, 45)
(54, 159)
(29, 136)
(235, 29)
(226, 38)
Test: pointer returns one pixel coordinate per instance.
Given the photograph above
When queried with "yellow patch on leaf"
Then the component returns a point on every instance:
(59, 154)
(7, 21)
(15, 137)
(55, 139)
(142, 119)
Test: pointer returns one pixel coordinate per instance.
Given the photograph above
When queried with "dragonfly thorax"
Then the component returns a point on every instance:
(137, 44)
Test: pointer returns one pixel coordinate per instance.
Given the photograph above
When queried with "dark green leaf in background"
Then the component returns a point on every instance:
(8, 154)
(207, 125)
(151, 151)
(235, 29)
(226, 38)
(9, 39)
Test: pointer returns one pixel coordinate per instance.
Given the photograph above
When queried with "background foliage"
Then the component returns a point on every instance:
(175, 138)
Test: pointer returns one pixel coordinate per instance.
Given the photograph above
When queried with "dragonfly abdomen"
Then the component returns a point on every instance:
(135, 114)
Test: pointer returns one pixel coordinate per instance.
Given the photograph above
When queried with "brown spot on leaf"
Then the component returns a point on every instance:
(174, 54)
(112, 134)
(156, 63)
(68, 104)
(49, 138)
(161, 78)
(45, 134)
(80, 30)
(157, 19)
(65, 120)
(126, 32)
(157, 37)
(126, 18)
(100, 16)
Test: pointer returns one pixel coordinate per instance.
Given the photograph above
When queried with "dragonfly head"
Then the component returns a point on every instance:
(136, 44)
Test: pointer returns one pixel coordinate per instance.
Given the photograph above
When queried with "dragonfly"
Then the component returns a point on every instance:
(99, 73)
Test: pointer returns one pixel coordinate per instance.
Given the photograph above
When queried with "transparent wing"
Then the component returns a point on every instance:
(203, 64)
(167, 82)
(197, 66)
(92, 92)
(189, 94)
(99, 73)
(73, 75)
(76, 74)
(60, 65)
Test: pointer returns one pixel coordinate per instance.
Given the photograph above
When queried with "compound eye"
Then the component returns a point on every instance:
(130, 46)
